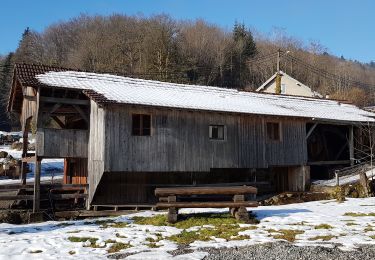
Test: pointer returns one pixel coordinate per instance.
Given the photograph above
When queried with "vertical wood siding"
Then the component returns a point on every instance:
(96, 148)
(180, 142)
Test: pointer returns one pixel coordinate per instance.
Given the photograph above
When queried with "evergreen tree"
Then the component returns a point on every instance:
(243, 48)
(5, 82)
(25, 48)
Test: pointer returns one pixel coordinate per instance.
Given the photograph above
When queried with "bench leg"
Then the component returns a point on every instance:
(172, 215)
(233, 211)
(242, 214)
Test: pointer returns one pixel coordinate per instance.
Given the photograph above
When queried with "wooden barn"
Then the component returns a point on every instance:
(126, 136)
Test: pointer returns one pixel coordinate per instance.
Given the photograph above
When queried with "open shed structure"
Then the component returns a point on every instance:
(126, 136)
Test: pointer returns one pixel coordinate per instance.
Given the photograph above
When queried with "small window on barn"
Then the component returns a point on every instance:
(216, 132)
(141, 125)
(273, 131)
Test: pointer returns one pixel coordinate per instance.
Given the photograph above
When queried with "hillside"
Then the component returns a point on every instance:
(193, 52)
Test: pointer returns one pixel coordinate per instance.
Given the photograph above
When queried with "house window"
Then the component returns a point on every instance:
(273, 131)
(216, 132)
(141, 125)
(283, 88)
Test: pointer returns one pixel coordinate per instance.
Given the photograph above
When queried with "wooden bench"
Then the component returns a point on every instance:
(171, 198)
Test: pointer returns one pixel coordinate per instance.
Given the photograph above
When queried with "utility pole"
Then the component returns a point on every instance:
(278, 75)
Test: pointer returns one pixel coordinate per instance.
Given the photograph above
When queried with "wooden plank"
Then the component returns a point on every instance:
(329, 162)
(205, 191)
(16, 197)
(91, 213)
(68, 101)
(68, 196)
(214, 204)
(28, 159)
(43, 186)
(351, 145)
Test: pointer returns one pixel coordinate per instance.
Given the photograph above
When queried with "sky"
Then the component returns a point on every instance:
(345, 27)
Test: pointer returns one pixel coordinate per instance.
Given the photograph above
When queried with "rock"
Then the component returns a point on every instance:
(3, 154)
(289, 195)
(17, 146)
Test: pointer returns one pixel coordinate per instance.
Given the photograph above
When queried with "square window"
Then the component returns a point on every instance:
(273, 131)
(141, 125)
(216, 132)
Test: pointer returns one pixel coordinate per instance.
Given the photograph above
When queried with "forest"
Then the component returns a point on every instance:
(184, 51)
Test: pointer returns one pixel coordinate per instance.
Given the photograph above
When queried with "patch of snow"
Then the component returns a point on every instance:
(344, 179)
(52, 169)
(52, 237)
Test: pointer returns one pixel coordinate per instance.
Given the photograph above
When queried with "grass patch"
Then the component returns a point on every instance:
(354, 214)
(323, 226)
(369, 228)
(106, 223)
(71, 252)
(188, 220)
(73, 231)
(324, 238)
(288, 234)
(351, 224)
(110, 241)
(227, 232)
(116, 247)
(83, 239)
(153, 245)
(64, 224)
(373, 237)
(36, 252)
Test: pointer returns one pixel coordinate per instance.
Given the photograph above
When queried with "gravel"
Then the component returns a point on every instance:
(283, 250)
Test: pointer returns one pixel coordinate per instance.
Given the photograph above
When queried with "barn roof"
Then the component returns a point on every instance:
(111, 89)
(106, 88)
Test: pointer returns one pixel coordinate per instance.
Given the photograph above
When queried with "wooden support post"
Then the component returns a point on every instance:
(351, 145)
(337, 177)
(36, 204)
(241, 212)
(24, 154)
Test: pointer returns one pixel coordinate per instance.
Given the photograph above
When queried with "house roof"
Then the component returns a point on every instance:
(106, 88)
(24, 75)
(111, 89)
(265, 84)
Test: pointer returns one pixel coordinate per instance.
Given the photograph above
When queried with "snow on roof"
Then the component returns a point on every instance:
(118, 89)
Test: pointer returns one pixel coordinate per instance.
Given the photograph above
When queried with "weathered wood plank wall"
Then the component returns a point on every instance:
(61, 143)
(180, 142)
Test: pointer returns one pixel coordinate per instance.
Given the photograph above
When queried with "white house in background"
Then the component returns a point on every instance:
(289, 86)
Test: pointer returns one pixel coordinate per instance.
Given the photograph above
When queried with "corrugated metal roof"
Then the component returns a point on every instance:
(117, 89)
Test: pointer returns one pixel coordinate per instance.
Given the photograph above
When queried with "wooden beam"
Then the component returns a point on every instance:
(311, 130)
(30, 98)
(28, 159)
(36, 201)
(83, 114)
(351, 145)
(68, 101)
(329, 162)
(58, 121)
(214, 204)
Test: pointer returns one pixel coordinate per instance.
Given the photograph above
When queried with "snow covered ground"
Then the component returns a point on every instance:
(314, 221)
(51, 168)
(344, 179)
